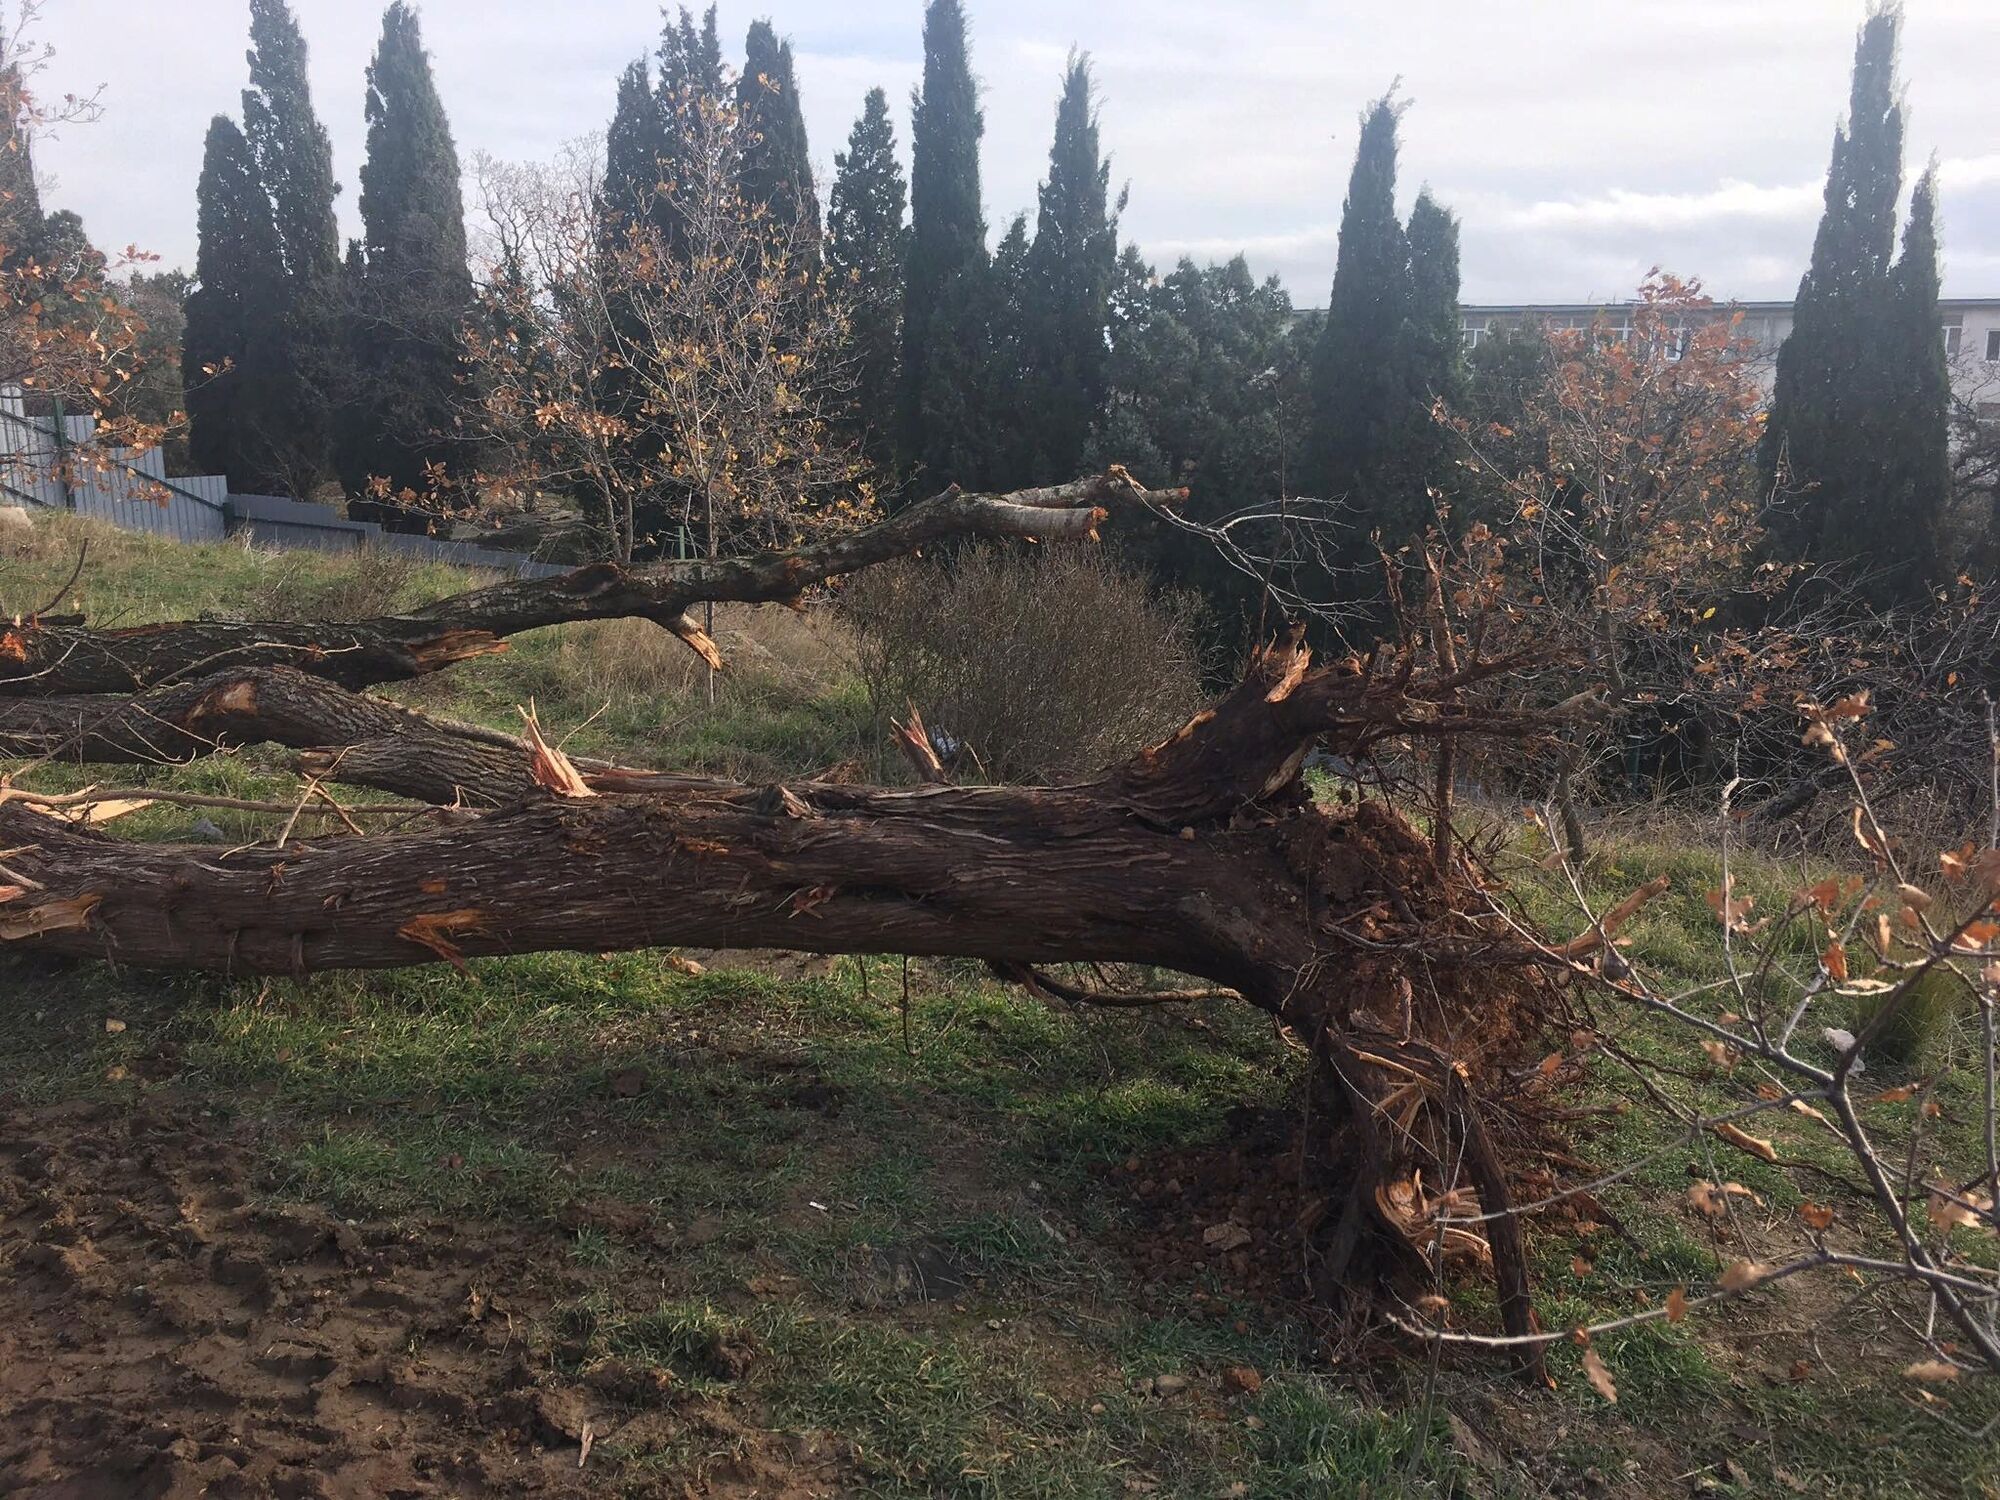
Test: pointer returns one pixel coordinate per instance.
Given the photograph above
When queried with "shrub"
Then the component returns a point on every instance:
(1044, 662)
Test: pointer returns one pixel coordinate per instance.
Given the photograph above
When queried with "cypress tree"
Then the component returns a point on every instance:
(20, 198)
(294, 154)
(775, 169)
(945, 297)
(690, 57)
(414, 291)
(294, 160)
(634, 146)
(866, 245)
(1436, 358)
(1067, 294)
(689, 103)
(1003, 399)
(1846, 451)
(233, 335)
(1903, 531)
(1360, 376)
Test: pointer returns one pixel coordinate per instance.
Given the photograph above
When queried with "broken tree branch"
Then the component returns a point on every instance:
(42, 659)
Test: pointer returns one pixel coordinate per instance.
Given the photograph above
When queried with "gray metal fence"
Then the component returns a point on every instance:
(55, 466)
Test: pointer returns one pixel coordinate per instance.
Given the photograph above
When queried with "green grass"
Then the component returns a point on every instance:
(741, 1172)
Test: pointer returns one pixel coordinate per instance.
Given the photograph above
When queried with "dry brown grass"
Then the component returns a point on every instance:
(1047, 662)
(798, 652)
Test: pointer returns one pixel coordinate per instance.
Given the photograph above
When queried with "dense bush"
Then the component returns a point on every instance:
(1045, 663)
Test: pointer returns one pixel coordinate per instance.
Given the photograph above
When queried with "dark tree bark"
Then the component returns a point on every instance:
(1189, 855)
(347, 737)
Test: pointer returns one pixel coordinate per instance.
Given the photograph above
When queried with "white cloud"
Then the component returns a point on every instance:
(1580, 142)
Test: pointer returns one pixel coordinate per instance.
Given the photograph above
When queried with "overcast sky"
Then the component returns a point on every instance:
(1580, 141)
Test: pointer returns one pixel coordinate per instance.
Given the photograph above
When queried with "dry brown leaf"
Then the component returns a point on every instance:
(1721, 1054)
(1975, 935)
(1755, 1145)
(1947, 1211)
(1896, 1095)
(1581, 1267)
(1599, 1377)
(1731, 910)
(1816, 1216)
(1741, 1274)
(1834, 961)
(1550, 1063)
(1706, 1199)
(1677, 1304)
(1932, 1371)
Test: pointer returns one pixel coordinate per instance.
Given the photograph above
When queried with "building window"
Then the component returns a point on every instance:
(1473, 333)
(1952, 331)
(1993, 346)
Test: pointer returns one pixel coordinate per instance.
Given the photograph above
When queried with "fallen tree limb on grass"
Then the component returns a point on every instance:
(1375, 947)
(346, 736)
(39, 659)
(1203, 855)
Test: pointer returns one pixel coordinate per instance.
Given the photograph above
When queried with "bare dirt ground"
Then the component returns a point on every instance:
(162, 1338)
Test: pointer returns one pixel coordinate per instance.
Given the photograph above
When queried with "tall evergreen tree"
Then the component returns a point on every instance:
(234, 334)
(689, 99)
(294, 160)
(634, 147)
(1361, 389)
(1851, 459)
(945, 293)
(690, 56)
(415, 291)
(1436, 358)
(867, 243)
(1207, 382)
(1067, 294)
(775, 169)
(1434, 321)
(1903, 530)
(20, 198)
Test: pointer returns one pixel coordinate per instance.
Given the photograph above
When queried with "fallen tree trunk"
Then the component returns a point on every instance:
(1376, 948)
(41, 658)
(345, 736)
(1203, 855)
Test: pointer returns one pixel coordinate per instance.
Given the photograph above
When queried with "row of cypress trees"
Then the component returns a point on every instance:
(303, 367)
(1017, 365)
